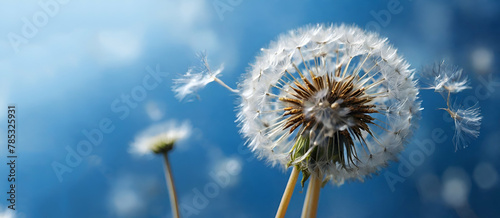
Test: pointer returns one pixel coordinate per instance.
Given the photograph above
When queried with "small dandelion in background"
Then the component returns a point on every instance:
(447, 79)
(160, 139)
(197, 78)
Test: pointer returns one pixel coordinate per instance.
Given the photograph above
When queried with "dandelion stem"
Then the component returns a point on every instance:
(171, 187)
(307, 200)
(448, 100)
(310, 207)
(287, 195)
(315, 197)
(224, 85)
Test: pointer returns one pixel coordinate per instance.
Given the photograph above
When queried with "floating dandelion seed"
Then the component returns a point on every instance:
(160, 138)
(445, 78)
(197, 78)
(467, 124)
(335, 101)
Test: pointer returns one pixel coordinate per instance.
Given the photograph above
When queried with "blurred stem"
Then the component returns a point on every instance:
(287, 195)
(171, 187)
(312, 198)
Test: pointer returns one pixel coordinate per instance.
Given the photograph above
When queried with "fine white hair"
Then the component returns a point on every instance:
(375, 68)
(445, 78)
(195, 78)
(467, 124)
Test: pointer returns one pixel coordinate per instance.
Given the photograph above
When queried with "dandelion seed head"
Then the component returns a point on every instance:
(195, 78)
(445, 78)
(335, 101)
(160, 137)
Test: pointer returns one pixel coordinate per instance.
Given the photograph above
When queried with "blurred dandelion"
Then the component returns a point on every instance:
(160, 139)
(335, 102)
(197, 78)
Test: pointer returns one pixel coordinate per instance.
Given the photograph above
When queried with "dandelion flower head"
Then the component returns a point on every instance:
(334, 101)
(160, 138)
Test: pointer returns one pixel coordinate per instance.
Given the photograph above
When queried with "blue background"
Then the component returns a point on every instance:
(88, 54)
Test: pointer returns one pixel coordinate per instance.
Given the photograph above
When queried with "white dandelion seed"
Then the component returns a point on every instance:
(467, 124)
(197, 78)
(445, 78)
(160, 138)
(335, 101)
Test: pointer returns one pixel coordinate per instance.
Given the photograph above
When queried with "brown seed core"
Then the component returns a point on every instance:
(340, 94)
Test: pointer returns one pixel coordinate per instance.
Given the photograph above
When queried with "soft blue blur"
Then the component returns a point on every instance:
(65, 63)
